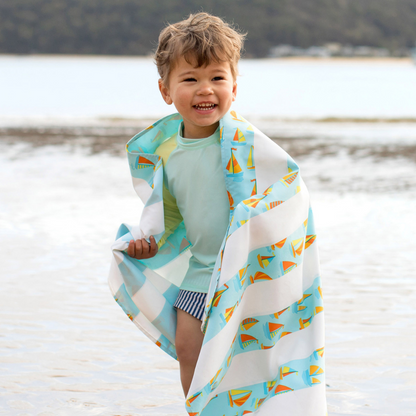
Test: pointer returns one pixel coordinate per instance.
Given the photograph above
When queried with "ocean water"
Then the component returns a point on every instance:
(66, 348)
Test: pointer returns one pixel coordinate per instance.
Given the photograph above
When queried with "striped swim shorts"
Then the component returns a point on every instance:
(191, 302)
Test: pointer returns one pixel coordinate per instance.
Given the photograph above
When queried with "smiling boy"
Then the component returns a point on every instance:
(197, 61)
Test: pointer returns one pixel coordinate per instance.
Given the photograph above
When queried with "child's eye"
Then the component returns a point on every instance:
(218, 78)
(189, 79)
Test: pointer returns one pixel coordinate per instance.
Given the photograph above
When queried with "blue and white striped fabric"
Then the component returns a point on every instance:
(191, 302)
(263, 350)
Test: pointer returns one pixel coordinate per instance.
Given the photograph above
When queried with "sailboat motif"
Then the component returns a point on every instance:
(242, 273)
(274, 329)
(237, 117)
(288, 179)
(192, 398)
(233, 168)
(304, 297)
(273, 204)
(260, 276)
(252, 202)
(248, 323)
(282, 389)
(246, 340)
(254, 191)
(280, 244)
(264, 261)
(309, 240)
(228, 313)
(277, 314)
(217, 296)
(143, 162)
(297, 247)
(286, 371)
(214, 379)
(250, 161)
(238, 397)
(239, 139)
(304, 323)
(231, 201)
(287, 266)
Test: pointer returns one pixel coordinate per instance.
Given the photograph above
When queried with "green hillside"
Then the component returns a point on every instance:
(131, 27)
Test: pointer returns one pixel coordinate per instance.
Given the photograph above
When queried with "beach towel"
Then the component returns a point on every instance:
(263, 350)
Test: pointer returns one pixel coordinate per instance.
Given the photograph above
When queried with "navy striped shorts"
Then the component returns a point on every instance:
(191, 302)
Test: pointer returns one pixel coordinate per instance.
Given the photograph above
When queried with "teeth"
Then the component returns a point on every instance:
(205, 106)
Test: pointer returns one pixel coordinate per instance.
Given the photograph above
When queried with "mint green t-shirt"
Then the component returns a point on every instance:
(195, 192)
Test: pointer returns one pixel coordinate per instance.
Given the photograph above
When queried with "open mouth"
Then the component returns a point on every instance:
(205, 106)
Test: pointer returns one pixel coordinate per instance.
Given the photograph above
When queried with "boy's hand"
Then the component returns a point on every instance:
(141, 249)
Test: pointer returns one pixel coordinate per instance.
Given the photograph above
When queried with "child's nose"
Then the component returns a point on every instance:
(205, 88)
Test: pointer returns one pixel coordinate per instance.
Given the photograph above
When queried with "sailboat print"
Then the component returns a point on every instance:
(143, 162)
(239, 139)
(233, 168)
(238, 397)
(309, 240)
(236, 116)
(297, 247)
(250, 162)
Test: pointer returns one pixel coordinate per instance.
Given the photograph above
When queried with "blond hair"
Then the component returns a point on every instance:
(200, 39)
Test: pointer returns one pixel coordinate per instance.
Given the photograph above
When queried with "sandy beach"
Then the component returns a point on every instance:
(67, 348)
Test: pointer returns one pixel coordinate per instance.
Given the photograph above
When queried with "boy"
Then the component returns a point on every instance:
(212, 218)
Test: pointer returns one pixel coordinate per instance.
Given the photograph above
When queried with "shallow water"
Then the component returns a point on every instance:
(66, 347)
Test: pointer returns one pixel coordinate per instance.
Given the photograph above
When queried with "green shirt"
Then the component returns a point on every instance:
(195, 192)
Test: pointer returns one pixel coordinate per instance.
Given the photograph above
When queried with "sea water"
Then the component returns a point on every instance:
(66, 348)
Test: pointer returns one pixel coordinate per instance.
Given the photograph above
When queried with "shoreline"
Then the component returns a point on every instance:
(333, 59)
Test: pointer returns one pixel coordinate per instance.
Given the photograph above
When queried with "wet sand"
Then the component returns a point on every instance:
(66, 348)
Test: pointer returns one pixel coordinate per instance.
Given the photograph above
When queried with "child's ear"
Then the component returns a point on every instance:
(164, 90)
(234, 91)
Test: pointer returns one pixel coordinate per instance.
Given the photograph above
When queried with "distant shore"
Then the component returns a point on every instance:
(334, 59)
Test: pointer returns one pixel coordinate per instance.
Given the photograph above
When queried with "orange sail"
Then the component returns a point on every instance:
(287, 266)
(248, 323)
(309, 240)
(246, 340)
(288, 179)
(264, 261)
(238, 397)
(217, 296)
(236, 116)
(280, 244)
(274, 329)
(282, 389)
(233, 167)
(192, 398)
(254, 191)
(297, 247)
(262, 276)
(231, 201)
(239, 138)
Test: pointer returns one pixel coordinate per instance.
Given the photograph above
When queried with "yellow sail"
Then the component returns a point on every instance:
(233, 167)
(254, 191)
(239, 137)
(238, 397)
(250, 163)
(297, 246)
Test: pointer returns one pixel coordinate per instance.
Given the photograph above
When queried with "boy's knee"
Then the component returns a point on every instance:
(187, 352)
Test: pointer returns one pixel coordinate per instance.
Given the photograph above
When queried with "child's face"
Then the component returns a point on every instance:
(201, 95)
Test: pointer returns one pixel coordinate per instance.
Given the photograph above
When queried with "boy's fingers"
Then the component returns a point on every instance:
(146, 248)
(131, 249)
(139, 249)
(153, 246)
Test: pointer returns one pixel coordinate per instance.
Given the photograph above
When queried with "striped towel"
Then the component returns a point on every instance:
(263, 350)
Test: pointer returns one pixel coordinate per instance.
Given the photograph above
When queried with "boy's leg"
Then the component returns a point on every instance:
(188, 342)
